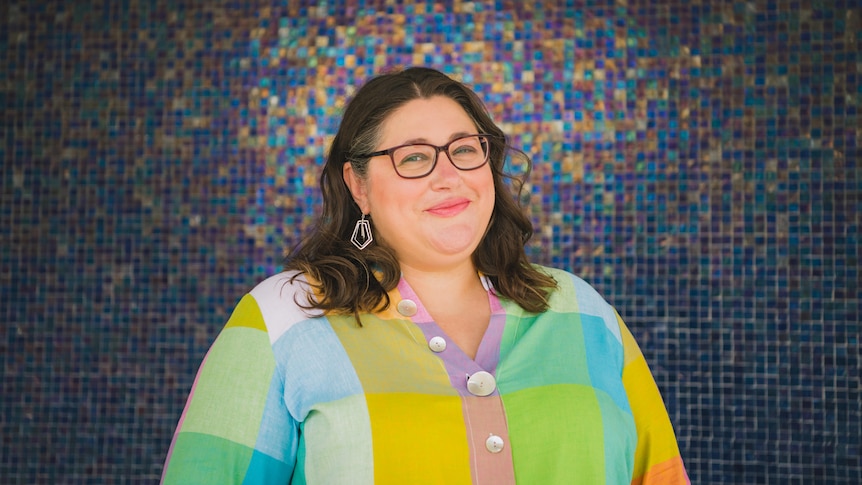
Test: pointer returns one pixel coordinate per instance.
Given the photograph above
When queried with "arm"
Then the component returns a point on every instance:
(657, 457)
(235, 427)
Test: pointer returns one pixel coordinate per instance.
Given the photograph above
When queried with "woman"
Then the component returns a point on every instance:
(410, 341)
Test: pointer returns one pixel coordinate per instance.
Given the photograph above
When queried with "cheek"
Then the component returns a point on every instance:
(387, 198)
(486, 187)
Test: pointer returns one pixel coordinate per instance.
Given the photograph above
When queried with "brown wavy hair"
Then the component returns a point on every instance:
(347, 280)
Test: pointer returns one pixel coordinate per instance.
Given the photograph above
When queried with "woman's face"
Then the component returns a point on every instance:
(432, 222)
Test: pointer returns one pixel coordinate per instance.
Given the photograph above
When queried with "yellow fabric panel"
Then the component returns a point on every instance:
(418, 438)
(247, 314)
(391, 356)
(656, 439)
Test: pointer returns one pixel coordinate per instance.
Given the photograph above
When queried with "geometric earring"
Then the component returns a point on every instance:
(362, 236)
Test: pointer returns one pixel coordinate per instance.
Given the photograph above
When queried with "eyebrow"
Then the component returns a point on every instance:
(425, 140)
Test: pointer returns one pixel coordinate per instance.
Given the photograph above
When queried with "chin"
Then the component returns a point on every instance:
(464, 250)
(455, 240)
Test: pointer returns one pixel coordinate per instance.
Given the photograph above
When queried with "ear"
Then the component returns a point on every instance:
(357, 185)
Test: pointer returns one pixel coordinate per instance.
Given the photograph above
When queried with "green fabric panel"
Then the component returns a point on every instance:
(564, 299)
(556, 434)
(620, 440)
(532, 357)
(193, 451)
(232, 386)
(338, 436)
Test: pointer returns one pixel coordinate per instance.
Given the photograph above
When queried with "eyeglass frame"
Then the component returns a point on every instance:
(483, 138)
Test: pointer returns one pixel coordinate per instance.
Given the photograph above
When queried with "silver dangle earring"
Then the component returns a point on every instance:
(362, 236)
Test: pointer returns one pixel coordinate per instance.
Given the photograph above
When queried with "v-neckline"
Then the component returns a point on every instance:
(488, 351)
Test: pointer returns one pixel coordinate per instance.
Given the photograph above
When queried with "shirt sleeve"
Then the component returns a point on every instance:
(657, 457)
(235, 427)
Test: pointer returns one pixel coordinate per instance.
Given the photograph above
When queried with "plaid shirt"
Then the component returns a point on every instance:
(564, 396)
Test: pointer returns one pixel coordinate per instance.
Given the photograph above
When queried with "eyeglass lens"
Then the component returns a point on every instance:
(417, 160)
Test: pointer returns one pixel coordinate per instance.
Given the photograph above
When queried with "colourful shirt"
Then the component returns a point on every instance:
(560, 397)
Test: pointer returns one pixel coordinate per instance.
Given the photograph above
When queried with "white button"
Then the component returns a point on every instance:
(481, 383)
(494, 444)
(407, 308)
(437, 344)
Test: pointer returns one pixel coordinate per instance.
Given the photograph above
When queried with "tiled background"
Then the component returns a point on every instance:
(696, 160)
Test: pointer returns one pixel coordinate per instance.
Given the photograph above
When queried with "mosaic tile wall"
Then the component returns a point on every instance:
(696, 160)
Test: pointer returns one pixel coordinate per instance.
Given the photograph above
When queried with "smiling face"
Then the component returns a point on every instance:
(432, 222)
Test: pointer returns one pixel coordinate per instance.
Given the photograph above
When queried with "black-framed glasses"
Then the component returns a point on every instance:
(417, 160)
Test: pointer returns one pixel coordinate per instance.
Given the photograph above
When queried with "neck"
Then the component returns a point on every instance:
(456, 300)
(455, 280)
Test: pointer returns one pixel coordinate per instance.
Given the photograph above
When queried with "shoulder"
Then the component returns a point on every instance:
(574, 294)
(571, 285)
(282, 299)
(281, 286)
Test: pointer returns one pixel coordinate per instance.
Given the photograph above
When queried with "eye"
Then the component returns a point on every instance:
(412, 156)
(466, 149)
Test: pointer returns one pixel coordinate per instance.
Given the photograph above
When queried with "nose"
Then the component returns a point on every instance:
(445, 168)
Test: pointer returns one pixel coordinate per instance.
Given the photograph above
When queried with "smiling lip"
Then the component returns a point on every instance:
(449, 208)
